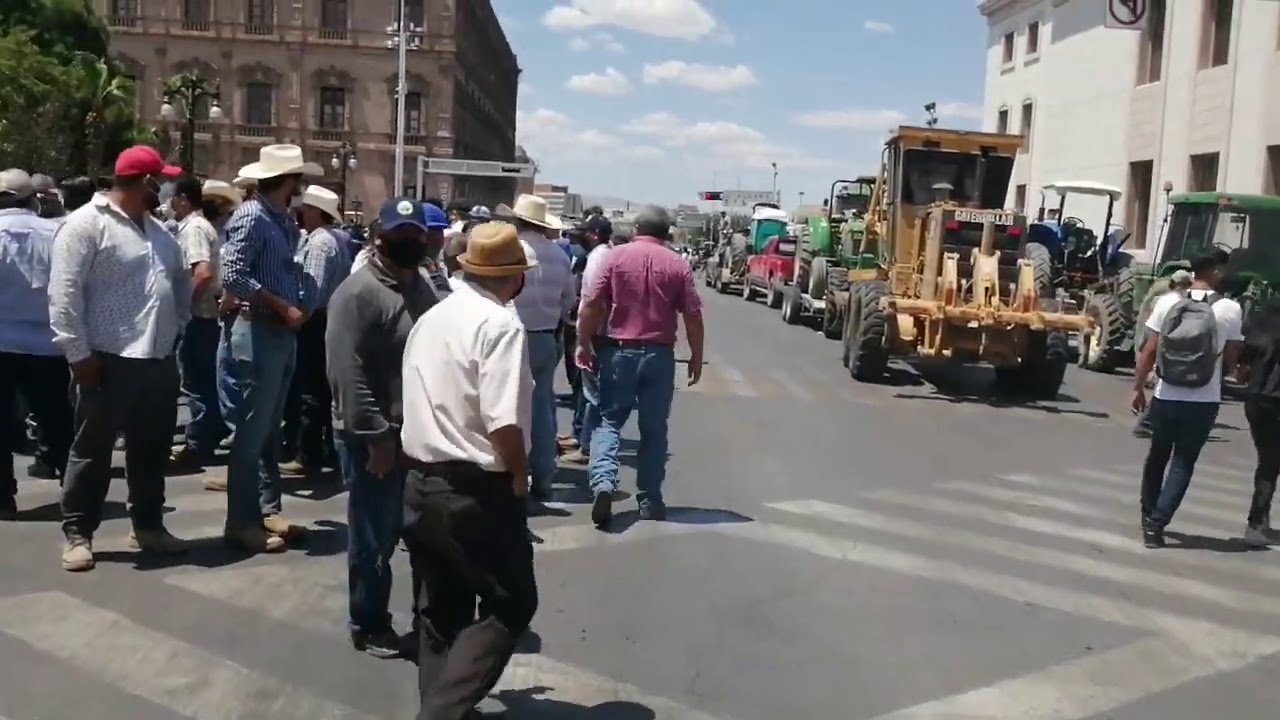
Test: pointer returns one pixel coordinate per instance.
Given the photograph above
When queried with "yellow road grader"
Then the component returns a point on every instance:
(941, 271)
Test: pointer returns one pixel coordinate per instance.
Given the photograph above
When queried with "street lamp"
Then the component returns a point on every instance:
(342, 161)
(404, 36)
(187, 90)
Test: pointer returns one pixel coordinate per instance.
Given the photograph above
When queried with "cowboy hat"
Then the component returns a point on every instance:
(494, 250)
(244, 183)
(533, 209)
(277, 160)
(323, 199)
(222, 191)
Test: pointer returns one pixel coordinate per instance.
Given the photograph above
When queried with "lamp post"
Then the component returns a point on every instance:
(344, 159)
(776, 196)
(187, 90)
(405, 36)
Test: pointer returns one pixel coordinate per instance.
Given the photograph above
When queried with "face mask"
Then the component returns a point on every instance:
(519, 289)
(405, 252)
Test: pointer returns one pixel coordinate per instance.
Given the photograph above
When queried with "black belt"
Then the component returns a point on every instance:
(615, 342)
(464, 468)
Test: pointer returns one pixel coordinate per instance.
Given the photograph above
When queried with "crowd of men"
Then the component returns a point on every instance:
(421, 362)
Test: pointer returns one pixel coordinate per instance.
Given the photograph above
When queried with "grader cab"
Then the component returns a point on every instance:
(942, 272)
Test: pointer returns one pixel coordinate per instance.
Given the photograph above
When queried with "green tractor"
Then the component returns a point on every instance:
(1247, 226)
(828, 249)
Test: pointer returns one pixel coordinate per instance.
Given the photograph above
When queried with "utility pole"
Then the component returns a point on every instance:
(405, 37)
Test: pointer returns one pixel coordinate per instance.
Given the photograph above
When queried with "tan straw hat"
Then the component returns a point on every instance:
(533, 209)
(494, 250)
(222, 191)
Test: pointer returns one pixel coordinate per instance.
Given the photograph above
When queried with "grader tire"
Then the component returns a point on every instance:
(1042, 263)
(1042, 371)
(1103, 353)
(868, 355)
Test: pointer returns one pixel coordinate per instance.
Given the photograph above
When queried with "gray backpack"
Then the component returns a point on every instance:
(1187, 355)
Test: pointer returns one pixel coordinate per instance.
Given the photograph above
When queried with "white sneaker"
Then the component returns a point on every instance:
(1255, 537)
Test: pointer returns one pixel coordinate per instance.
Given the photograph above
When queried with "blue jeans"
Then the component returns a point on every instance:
(544, 356)
(1179, 431)
(375, 512)
(228, 395)
(198, 359)
(641, 378)
(586, 416)
(262, 355)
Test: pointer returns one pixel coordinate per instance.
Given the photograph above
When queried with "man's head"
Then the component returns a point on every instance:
(480, 213)
(459, 211)
(139, 172)
(188, 196)
(495, 260)
(17, 191)
(279, 173)
(47, 196)
(654, 222)
(76, 192)
(220, 199)
(402, 233)
(1208, 268)
(318, 207)
(437, 224)
(596, 230)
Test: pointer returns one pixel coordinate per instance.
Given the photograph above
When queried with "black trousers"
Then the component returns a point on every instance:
(468, 540)
(569, 341)
(138, 398)
(1264, 425)
(41, 382)
(308, 417)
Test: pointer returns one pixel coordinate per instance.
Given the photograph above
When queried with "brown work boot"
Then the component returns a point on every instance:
(253, 540)
(77, 555)
(215, 483)
(159, 541)
(577, 457)
(278, 526)
(568, 442)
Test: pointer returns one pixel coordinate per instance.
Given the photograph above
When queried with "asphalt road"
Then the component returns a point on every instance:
(834, 551)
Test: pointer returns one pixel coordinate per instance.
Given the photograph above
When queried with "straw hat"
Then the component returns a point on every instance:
(277, 160)
(321, 198)
(494, 250)
(533, 209)
(222, 191)
(244, 183)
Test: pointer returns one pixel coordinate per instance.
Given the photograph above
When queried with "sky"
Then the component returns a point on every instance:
(659, 100)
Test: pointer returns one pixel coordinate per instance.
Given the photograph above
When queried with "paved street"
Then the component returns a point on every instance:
(907, 551)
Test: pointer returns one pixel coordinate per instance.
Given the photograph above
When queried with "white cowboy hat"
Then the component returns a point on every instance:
(321, 198)
(244, 183)
(222, 191)
(277, 160)
(533, 209)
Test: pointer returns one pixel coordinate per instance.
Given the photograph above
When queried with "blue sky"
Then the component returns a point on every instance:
(653, 99)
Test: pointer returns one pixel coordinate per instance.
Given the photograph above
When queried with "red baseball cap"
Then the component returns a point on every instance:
(144, 160)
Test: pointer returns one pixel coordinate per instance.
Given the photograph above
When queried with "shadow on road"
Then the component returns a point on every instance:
(526, 705)
(974, 385)
(1187, 541)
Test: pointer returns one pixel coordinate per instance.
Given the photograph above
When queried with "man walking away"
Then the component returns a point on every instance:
(1262, 409)
(76, 192)
(586, 413)
(372, 315)
(468, 393)
(261, 272)
(198, 353)
(1189, 340)
(31, 365)
(642, 287)
(119, 297)
(549, 295)
(324, 267)
(1179, 282)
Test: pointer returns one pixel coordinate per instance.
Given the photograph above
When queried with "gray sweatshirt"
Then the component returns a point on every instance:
(370, 316)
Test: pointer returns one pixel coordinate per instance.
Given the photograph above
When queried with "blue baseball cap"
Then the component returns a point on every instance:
(402, 211)
(436, 218)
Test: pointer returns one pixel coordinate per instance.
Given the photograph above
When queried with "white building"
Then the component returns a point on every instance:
(1192, 100)
(560, 202)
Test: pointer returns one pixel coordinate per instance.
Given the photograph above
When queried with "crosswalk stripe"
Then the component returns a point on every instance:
(793, 388)
(183, 678)
(982, 542)
(973, 511)
(1133, 480)
(1200, 505)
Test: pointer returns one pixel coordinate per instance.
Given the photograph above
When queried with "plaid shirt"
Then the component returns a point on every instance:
(259, 253)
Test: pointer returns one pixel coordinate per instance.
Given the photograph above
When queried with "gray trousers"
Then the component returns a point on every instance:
(138, 398)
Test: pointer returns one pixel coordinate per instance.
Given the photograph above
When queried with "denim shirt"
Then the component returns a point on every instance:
(26, 252)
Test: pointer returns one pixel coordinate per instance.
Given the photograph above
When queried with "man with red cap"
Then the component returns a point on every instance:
(119, 296)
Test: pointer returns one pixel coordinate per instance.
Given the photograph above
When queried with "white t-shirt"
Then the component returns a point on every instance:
(595, 259)
(1229, 317)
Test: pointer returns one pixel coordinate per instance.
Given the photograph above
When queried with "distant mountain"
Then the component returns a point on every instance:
(606, 201)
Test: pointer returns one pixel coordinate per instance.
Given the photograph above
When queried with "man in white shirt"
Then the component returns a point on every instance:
(550, 294)
(586, 412)
(119, 296)
(1181, 416)
(468, 392)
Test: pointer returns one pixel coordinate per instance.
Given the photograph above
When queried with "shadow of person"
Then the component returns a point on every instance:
(526, 705)
(1187, 541)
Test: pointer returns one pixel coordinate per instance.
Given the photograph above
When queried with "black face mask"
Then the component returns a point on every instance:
(520, 289)
(406, 253)
(153, 195)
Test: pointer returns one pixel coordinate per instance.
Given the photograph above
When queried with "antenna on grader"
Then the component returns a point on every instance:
(932, 109)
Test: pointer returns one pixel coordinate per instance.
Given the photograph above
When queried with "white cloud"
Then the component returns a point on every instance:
(724, 145)
(550, 135)
(681, 19)
(960, 111)
(877, 26)
(600, 41)
(850, 119)
(708, 78)
(579, 44)
(609, 83)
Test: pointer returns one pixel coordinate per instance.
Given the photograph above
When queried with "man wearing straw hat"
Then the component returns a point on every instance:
(260, 271)
(468, 394)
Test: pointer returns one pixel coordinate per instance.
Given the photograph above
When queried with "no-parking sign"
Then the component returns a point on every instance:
(1126, 14)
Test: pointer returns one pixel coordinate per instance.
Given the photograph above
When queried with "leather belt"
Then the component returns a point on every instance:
(615, 342)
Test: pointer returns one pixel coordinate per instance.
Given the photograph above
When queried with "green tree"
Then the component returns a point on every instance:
(37, 128)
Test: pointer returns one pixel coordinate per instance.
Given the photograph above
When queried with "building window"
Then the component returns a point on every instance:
(1020, 198)
(1002, 121)
(1273, 171)
(124, 13)
(1138, 202)
(1028, 119)
(1203, 174)
(333, 108)
(195, 15)
(1151, 49)
(1033, 39)
(333, 19)
(1215, 33)
(413, 12)
(413, 116)
(259, 104)
(259, 17)
(1007, 49)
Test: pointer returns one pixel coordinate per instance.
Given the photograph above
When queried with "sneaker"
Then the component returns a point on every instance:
(8, 510)
(159, 541)
(577, 457)
(293, 467)
(602, 509)
(568, 442)
(226, 442)
(384, 644)
(1256, 537)
(653, 512)
(187, 460)
(77, 555)
(1153, 537)
(215, 483)
(253, 540)
(278, 526)
(41, 470)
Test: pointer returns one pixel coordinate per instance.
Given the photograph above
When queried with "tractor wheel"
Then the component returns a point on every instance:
(832, 321)
(774, 297)
(804, 261)
(791, 309)
(1040, 375)
(818, 278)
(1102, 352)
(849, 326)
(868, 356)
(837, 278)
(1042, 263)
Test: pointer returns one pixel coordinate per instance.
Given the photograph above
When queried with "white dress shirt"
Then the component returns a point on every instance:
(595, 259)
(116, 287)
(550, 291)
(465, 374)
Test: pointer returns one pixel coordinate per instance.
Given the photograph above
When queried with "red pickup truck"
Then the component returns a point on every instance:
(770, 271)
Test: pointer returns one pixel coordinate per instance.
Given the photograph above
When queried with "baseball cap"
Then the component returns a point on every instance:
(436, 218)
(43, 183)
(480, 212)
(400, 211)
(144, 160)
(16, 182)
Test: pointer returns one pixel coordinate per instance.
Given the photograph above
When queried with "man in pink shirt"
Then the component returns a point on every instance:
(631, 309)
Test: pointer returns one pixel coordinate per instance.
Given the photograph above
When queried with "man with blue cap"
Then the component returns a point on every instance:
(370, 316)
(437, 224)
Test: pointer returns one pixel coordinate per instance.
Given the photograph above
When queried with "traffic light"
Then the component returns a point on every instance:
(712, 195)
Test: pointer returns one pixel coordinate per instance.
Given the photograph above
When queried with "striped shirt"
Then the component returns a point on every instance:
(324, 265)
(259, 253)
